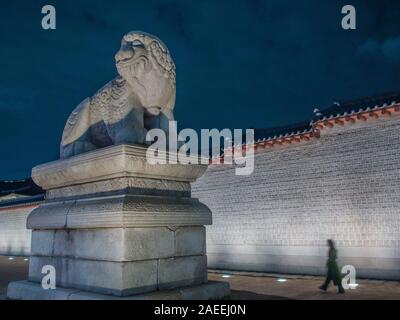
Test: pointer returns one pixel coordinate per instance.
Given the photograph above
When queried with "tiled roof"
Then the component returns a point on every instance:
(353, 106)
(339, 113)
(337, 109)
(274, 133)
(21, 187)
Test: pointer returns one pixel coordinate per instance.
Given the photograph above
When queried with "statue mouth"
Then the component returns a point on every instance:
(124, 62)
(154, 111)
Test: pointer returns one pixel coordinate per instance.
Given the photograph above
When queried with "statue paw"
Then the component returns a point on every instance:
(76, 148)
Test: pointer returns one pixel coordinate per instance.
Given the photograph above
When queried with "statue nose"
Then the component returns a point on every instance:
(124, 54)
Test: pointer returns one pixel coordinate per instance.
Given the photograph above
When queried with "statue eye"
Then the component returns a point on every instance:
(137, 44)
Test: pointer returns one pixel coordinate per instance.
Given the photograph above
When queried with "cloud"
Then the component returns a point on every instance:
(388, 49)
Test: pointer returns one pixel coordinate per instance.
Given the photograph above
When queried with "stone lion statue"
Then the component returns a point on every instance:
(140, 98)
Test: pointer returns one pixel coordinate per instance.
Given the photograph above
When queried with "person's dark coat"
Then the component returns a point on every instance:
(333, 268)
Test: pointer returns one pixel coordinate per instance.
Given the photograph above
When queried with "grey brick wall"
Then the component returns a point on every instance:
(15, 239)
(343, 186)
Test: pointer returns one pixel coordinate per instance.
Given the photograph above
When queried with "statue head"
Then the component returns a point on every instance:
(146, 65)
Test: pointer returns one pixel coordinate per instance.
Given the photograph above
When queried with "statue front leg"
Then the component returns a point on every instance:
(130, 130)
(165, 117)
(162, 121)
(76, 148)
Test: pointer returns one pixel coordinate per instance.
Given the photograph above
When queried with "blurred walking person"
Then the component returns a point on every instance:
(334, 273)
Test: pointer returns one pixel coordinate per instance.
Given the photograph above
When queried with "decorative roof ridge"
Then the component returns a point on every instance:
(360, 110)
(353, 116)
(362, 114)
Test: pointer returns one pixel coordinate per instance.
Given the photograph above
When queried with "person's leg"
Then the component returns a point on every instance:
(326, 283)
(340, 288)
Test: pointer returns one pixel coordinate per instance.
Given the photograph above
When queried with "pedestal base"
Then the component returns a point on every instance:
(114, 224)
(27, 290)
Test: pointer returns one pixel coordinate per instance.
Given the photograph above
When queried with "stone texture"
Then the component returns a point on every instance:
(64, 244)
(112, 244)
(43, 242)
(115, 278)
(61, 265)
(106, 277)
(120, 244)
(107, 164)
(50, 215)
(122, 278)
(148, 243)
(124, 211)
(343, 186)
(182, 271)
(26, 290)
(131, 185)
(190, 241)
(32, 291)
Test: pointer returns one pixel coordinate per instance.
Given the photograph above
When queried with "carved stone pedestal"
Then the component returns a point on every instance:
(115, 226)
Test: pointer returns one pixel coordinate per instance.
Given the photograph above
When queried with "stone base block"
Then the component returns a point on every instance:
(182, 271)
(26, 290)
(120, 244)
(119, 211)
(122, 278)
(115, 225)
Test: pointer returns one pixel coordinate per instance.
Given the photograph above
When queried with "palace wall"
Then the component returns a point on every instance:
(344, 186)
(15, 239)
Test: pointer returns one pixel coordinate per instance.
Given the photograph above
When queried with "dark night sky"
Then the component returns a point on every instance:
(240, 63)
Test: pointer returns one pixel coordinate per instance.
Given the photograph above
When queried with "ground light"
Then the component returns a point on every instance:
(26, 259)
(10, 258)
(226, 276)
(353, 285)
(281, 280)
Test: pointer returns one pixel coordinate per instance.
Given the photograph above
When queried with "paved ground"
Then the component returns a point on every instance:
(11, 270)
(266, 287)
(249, 285)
